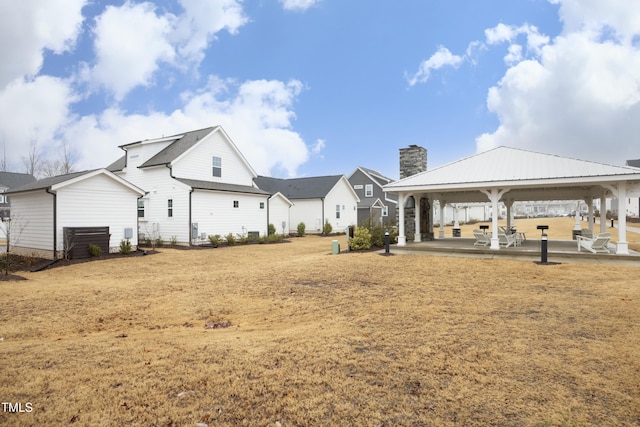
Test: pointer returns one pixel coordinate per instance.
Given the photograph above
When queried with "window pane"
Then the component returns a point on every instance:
(216, 166)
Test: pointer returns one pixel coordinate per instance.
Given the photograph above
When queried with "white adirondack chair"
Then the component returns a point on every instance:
(507, 240)
(482, 239)
(599, 244)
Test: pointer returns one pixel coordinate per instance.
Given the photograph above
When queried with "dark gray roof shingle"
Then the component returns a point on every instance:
(44, 183)
(177, 147)
(298, 188)
(12, 179)
(220, 186)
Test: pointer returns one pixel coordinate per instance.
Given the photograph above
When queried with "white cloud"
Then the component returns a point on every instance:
(298, 5)
(32, 111)
(28, 27)
(316, 149)
(200, 22)
(130, 42)
(580, 97)
(443, 57)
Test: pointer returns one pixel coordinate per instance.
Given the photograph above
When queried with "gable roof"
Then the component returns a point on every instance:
(514, 166)
(299, 188)
(182, 143)
(13, 179)
(221, 186)
(56, 182)
(374, 175)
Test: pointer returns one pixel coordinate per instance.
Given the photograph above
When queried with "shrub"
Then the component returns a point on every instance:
(230, 238)
(272, 229)
(301, 229)
(361, 239)
(275, 238)
(241, 238)
(215, 239)
(94, 250)
(173, 241)
(327, 229)
(125, 247)
(159, 242)
(147, 241)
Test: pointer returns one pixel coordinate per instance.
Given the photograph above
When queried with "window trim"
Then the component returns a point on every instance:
(368, 190)
(216, 166)
(170, 208)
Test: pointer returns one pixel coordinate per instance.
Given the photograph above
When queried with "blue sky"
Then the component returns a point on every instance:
(317, 87)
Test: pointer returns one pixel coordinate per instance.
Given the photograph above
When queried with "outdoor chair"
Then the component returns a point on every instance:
(482, 239)
(585, 232)
(599, 244)
(507, 240)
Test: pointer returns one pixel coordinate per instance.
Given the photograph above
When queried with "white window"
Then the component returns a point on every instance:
(140, 208)
(217, 166)
(170, 208)
(337, 211)
(368, 190)
(385, 211)
(236, 204)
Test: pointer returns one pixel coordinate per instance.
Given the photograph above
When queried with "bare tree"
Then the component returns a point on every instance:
(13, 227)
(63, 165)
(32, 162)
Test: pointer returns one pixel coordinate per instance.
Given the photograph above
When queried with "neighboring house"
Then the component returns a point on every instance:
(280, 212)
(10, 180)
(41, 210)
(633, 205)
(197, 184)
(316, 200)
(375, 205)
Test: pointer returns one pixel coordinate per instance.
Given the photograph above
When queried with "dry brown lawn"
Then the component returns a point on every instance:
(356, 339)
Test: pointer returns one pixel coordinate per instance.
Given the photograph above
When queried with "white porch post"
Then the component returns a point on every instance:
(443, 203)
(620, 192)
(603, 213)
(577, 224)
(417, 238)
(509, 205)
(494, 196)
(402, 239)
(622, 247)
(456, 224)
(590, 216)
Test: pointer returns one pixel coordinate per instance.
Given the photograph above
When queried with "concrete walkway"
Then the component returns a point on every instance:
(563, 251)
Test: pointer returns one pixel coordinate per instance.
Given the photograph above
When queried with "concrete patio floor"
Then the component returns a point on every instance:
(557, 251)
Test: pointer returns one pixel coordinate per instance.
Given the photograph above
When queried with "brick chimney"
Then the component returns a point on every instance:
(413, 160)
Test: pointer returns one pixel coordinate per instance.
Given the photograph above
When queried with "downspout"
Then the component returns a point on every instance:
(322, 222)
(189, 224)
(55, 223)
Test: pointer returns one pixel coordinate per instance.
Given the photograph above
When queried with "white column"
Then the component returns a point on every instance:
(417, 238)
(603, 213)
(402, 239)
(456, 224)
(494, 196)
(509, 205)
(577, 224)
(443, 203)
(589, 201)
(622, 247)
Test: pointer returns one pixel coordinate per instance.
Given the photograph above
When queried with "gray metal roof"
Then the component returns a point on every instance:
(176, 148)
(634, 163)
(299, 188)
(220, 186)
(13, 179)
(505, 164)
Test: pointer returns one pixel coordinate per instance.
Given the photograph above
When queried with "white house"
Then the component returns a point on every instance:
(316, 200)
(197, 184)
(280, 212)
(41, 210)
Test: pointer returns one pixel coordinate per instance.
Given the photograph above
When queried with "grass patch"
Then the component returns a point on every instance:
(259, 334)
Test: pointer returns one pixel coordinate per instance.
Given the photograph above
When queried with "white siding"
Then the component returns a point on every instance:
(308, 211)
(341, 195)
(214, 213)
(279, 212)
(94, 202)
(32, 213)
(197, 163)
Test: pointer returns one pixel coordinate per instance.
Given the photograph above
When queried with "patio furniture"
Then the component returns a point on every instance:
(507, 240)
(482, 239)
(585, 232)
(599, 244)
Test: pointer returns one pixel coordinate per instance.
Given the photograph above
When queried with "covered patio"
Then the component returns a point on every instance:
(508, 175)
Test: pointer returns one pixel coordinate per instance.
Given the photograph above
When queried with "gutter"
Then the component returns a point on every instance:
(55, 223)
(189, 223)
